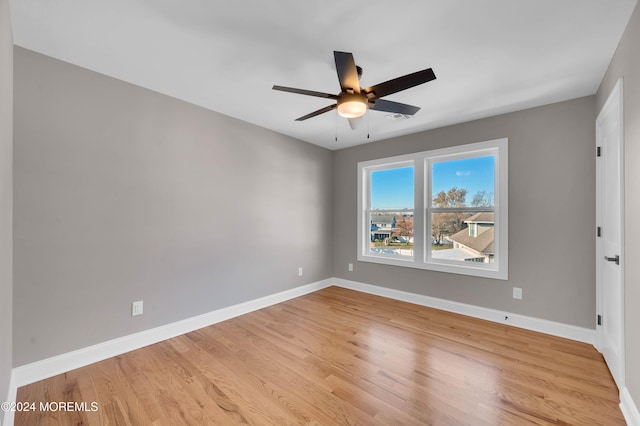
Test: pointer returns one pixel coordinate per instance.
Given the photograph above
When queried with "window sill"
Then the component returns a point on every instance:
(478, 270)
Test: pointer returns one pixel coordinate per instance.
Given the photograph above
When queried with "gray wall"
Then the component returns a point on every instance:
(123, 194)
(626, 64)
(551, 214)
(6, 198)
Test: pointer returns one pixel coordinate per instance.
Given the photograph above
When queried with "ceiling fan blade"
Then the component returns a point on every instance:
(305, 92)
(347, 71)
(318, 112)
(400, 83)
(390, 106)
(356, 123)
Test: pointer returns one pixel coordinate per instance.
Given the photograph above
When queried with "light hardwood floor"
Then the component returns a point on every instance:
(340, 357)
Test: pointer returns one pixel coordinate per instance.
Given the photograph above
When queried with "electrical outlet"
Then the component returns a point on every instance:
(350, 266)
(136, 308)
(517, 293)
(300, 271)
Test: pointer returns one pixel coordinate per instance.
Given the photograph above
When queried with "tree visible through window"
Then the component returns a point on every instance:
(447, 224)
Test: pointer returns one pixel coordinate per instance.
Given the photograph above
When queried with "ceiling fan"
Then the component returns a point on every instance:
(353, 101)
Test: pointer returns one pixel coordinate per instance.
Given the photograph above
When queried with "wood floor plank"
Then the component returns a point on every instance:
(340, 357)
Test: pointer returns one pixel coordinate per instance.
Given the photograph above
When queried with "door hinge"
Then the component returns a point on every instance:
(599, 231)
(598, 151)
(599, 319)
(615, 259)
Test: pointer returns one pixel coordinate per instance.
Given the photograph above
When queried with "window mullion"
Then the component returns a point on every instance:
(426, 211)
(461, 209)
(419, 225)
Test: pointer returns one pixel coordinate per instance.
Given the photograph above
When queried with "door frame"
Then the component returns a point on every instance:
(615, 100)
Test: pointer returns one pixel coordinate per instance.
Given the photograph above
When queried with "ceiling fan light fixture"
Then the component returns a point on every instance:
(352, 106)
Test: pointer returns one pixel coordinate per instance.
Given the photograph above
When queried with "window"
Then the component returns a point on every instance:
(444, 210)
(390, 211)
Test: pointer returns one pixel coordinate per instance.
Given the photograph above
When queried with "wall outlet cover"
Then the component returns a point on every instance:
(136, 308)
(517, 293)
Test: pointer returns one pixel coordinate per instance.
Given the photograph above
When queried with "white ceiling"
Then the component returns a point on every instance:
(489, 56)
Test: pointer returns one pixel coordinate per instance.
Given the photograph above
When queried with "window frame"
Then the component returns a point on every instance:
(423, 209)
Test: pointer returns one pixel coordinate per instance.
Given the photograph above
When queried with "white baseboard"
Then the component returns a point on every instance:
(567, 331)
(629, 408)
(40, 370)
(11, 397)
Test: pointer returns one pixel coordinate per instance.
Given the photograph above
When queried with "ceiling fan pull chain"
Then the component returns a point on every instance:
(368, 125)
(336, 125)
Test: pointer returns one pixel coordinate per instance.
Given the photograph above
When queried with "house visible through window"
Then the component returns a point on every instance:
(444, 210)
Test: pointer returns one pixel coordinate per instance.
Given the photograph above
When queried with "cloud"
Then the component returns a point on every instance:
(463, 173)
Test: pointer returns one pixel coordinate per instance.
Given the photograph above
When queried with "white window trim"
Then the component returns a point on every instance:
(422, 196)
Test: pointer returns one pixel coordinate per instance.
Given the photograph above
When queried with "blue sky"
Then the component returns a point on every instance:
(393, 189)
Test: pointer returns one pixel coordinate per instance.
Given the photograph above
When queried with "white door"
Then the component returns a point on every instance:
(609, 244)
